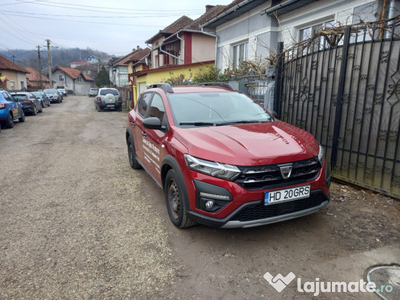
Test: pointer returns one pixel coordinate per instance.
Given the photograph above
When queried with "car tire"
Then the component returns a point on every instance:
(22, 118)
(34, 111)
(131, 154)
(176, 202)
(9, 121)
(98, 108)
(41, 109)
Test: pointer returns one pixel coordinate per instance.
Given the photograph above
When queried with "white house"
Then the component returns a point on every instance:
(73, 80)
(251, 29)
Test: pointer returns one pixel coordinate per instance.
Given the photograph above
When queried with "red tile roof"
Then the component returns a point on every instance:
(73, 73)
(171, 29)
(34, 75)
(211, 12)
(6, 64)
(138, 55)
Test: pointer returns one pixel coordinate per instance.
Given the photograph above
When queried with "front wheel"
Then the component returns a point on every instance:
(131, 155)
(175, 199)
(22, 118)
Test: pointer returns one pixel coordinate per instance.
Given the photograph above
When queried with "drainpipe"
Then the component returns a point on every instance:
(161, 50)
(184, 46)
(216, 43)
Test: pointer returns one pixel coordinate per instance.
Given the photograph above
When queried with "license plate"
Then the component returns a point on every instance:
(110, 105)
(299, 192)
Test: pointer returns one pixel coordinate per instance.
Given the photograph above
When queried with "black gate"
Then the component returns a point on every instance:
(344, 88)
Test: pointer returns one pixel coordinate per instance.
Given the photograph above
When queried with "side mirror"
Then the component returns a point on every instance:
(153, 123)
(275, 114)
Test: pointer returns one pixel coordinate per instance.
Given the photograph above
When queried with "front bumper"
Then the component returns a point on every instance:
(255, 213)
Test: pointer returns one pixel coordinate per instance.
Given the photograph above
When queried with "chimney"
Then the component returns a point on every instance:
(208, 7)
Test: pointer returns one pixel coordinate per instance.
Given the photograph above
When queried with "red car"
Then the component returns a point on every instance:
(222, 159)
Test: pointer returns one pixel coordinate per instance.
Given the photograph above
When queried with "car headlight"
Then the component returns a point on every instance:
(321, 155)
(212, 168)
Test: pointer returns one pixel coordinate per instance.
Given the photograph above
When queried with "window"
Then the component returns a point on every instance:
(157, 107)
(79, 79)
(22, 85)
(308, 32)
(144, 103)
(60, 78)
(12, 86)
(239, 53)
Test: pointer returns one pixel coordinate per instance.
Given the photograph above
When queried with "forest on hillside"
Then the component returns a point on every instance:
(60, 57)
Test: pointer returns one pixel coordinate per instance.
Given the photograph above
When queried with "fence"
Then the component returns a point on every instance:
(344, 88)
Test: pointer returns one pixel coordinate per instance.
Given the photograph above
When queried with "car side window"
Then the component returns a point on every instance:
(5, 95)
(143, 103)
(157, 108)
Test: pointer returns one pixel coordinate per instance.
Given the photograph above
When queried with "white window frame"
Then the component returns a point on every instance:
(315, 27)
(240, 52)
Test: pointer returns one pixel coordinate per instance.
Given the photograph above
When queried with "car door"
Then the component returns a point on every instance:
(138, 129)
(13, 103)
(153, 139)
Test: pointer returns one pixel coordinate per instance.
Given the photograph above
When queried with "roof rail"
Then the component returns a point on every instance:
(163, 85)
(221, 84)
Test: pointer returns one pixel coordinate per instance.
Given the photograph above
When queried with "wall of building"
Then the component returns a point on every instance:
(16, 78)
(203, 48)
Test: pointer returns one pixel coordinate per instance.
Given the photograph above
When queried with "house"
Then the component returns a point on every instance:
(139, 61)
(73, 80)
(118, 69)
(80, 63)
(178, 52)
(36, 81)
(251, 29)
(12, 76)
(91, 59)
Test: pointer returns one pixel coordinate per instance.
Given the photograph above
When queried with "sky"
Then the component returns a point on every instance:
(112, 26)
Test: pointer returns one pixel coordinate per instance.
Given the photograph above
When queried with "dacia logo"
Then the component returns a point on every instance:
(286, 170)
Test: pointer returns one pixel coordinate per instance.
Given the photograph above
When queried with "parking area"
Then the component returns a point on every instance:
(78, 223)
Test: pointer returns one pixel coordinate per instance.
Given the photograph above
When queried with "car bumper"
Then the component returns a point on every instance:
(28, 108)
(237, 207)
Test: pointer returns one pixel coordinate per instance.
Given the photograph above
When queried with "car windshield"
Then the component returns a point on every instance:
(215, 109)
(109, 91)
(21, 97)
(50, 91)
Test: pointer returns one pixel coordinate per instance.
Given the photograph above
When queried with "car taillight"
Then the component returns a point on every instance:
(25, 101)
(98, 99)
(119, 99)
(2, 105)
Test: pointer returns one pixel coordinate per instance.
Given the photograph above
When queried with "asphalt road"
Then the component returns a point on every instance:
(76, 222)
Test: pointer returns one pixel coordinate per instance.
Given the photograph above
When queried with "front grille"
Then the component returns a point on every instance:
(269, 176)
(261, 211)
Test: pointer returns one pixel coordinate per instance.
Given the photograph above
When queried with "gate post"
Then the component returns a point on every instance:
(278, 79)
(342, 83)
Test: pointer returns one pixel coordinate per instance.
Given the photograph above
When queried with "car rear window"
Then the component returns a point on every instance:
(109, 91)
(21, 97)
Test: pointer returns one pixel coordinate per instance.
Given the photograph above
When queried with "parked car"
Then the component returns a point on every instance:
(44, 100)
(93, 92)
(53, 95)
(63, 92)
(223, 160)
(30, 103)
(107, 98)
(10, 110)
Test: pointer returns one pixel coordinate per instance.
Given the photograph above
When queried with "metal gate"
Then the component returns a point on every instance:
(344, 88)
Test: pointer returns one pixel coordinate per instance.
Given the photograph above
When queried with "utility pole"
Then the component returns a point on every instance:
(49, 61)
(40, 68)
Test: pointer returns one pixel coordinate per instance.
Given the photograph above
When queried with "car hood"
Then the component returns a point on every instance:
(249, 144)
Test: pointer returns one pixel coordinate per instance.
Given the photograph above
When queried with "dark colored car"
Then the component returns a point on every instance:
(10, 110)
(53, 95)
(107, 98)
(44, 100)
(30, 103)
(223, 160)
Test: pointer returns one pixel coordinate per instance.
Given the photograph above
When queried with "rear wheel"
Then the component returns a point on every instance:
(9, 121)
(176, 202)
(41, 109)
(34, 111)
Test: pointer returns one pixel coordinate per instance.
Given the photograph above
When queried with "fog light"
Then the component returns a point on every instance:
(209, 204)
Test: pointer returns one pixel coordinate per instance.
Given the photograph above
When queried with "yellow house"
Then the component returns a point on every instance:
(12, 76)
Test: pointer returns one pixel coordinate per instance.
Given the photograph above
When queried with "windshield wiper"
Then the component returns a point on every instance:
(198, 123)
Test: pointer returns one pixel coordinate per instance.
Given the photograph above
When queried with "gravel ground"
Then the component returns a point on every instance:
(74, 220)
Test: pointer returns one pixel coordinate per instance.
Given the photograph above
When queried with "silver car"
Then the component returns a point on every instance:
(53, 95)
(107, 98)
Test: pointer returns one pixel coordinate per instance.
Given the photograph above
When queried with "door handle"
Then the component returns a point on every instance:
(144, 133)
